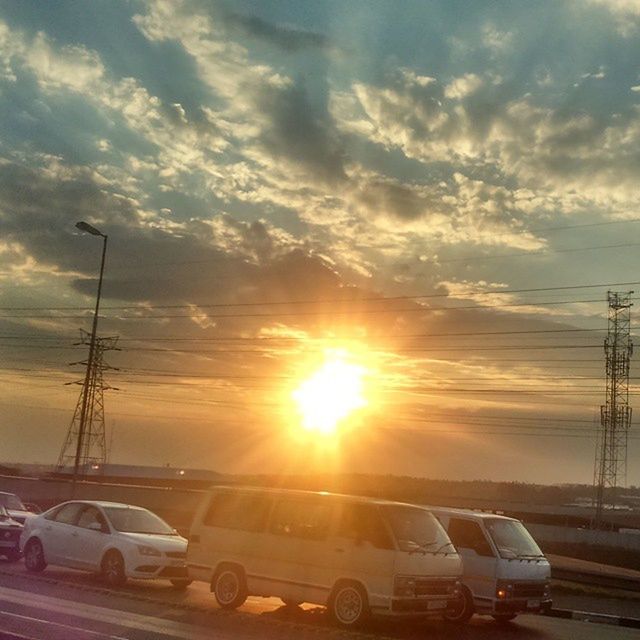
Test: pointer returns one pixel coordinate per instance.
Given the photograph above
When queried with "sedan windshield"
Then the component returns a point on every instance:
(136, 520)
(416, 529)
(10, 501)
(512, 539)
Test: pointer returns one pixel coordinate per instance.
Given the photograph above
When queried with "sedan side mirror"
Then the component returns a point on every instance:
(95, 526)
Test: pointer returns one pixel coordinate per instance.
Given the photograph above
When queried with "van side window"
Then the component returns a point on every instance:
(238, 511)
(308, 519)
(362, 522)
(466, 534)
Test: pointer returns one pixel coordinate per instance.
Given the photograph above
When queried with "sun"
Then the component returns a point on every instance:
(331, 394)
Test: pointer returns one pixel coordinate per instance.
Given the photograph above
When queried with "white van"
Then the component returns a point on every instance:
(358, 556)
(504, 570)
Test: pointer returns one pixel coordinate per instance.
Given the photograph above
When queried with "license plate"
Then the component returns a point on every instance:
(533, 604)
(437, 604)
(177, 563)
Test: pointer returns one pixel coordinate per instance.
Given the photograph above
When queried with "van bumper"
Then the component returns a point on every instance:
(522, 606)
(423, 606)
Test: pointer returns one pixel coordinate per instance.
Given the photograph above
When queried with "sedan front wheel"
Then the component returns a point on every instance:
(34, 556)
(113, 569)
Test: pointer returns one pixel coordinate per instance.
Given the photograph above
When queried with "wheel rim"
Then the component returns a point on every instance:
(113, 568)
(348, 605)
(34, 555)
(460, 609)
(227, 587)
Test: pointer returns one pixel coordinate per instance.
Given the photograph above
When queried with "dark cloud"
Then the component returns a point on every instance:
(300, 133)
(285, 37)
(395, 200)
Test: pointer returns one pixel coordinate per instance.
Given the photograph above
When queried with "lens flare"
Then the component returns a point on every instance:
(330, 395)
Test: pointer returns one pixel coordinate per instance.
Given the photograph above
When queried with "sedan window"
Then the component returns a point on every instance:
(68, 513)
(92, 516)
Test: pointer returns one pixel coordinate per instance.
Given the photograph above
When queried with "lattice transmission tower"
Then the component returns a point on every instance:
(93, 447)
(615, 415)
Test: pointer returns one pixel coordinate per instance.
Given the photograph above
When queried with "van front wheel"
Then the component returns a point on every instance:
(349, 605)
(229, 588)
(463, 609)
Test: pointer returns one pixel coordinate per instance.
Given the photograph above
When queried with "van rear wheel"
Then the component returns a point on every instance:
(349, 605)
(229, 587)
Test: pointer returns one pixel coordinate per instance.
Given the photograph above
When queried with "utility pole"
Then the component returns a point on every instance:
(615, 415)
(89, 439)
(86, 391)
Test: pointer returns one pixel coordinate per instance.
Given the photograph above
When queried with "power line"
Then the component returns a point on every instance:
(323, 313)
(331, 300)
(315, 338)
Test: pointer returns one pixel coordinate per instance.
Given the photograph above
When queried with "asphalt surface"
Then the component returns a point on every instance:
(61, 604)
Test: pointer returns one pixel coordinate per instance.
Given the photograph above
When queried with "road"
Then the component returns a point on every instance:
(65, 605)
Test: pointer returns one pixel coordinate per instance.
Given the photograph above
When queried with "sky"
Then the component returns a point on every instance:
(440, 193)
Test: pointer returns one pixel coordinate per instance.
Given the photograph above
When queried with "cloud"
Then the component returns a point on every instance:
(473, 122)
(625, 12)
(285, 37)
(462, 87)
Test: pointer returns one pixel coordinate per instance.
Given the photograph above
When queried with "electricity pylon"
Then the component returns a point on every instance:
(93, 449)
(615, 415)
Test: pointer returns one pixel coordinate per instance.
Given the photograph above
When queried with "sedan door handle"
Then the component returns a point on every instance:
(339, 550)
(74, 534)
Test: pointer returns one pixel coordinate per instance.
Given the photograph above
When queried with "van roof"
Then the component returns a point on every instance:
(455, 511)
(302, 492)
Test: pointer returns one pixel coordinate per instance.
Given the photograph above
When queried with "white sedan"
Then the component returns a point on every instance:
(118, 540)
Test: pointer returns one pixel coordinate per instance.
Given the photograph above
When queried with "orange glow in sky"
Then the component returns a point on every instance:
(331, 394)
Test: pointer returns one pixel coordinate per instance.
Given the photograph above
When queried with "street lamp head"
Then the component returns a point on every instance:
(84, 226)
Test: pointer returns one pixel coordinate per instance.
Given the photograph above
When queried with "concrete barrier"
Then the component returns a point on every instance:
(175, 505)
(568, 535)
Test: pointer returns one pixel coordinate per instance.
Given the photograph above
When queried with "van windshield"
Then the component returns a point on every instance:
(512, 539)
(417, 529)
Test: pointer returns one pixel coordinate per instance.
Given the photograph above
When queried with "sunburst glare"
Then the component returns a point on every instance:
(331, 394)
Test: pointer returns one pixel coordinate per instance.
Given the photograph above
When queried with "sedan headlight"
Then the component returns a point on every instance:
(144, 550)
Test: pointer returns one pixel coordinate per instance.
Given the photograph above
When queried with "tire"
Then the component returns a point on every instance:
(464, 611)
(180, 584)
(349, 605)
(34, 559)
(290, 602)
(113, 572)
(503, 618)
(229, 587)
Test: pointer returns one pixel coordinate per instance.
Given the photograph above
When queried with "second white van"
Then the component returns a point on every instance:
(504, 571)
(358, 556)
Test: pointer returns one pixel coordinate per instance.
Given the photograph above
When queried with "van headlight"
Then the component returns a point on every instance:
(404, 586)
(145, 550)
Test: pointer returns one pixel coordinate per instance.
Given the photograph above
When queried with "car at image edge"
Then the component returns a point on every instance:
(16, 508)
(117, 540)
(10, 530)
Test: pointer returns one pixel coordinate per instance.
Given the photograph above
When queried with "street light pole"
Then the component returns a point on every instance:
(83, 226)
